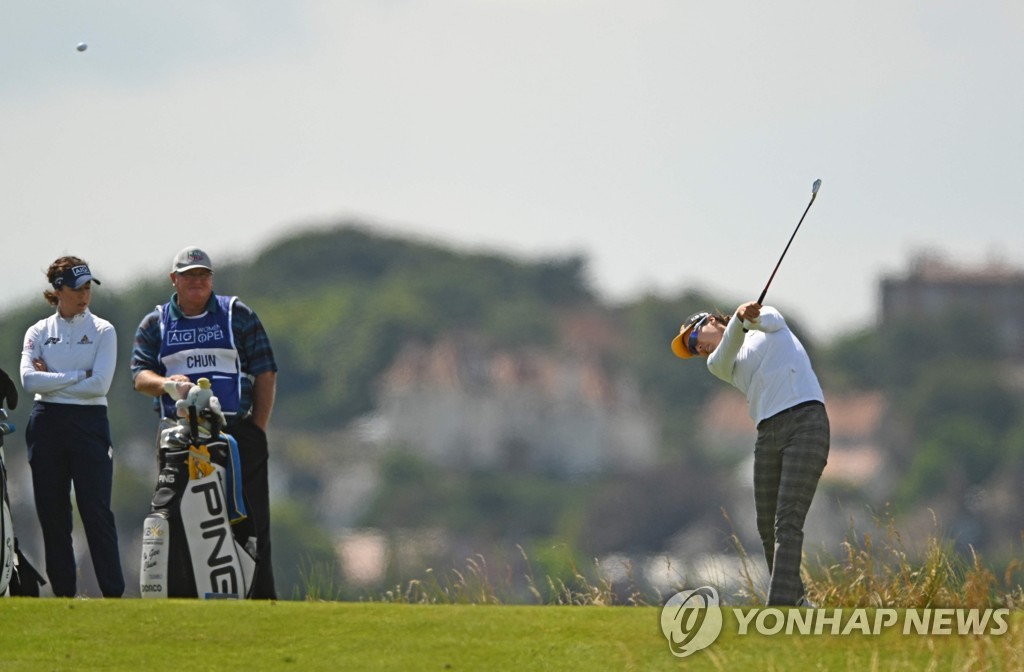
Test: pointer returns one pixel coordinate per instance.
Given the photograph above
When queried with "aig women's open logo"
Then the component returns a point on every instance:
(691, 620)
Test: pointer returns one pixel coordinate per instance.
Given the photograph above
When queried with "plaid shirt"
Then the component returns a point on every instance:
(251, 341)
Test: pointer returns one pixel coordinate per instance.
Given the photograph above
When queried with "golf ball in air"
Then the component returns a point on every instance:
(82, 46)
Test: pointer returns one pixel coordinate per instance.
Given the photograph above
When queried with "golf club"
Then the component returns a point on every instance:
(814, 194)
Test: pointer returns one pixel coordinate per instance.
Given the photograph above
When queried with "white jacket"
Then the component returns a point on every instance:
(70, 348)
(768, 364)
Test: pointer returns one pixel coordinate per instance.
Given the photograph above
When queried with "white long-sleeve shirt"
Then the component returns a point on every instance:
(768, 364)
(71, 348)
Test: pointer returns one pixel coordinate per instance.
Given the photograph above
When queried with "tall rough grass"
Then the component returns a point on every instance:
(876, 568)
(477, 584)
(320, 582)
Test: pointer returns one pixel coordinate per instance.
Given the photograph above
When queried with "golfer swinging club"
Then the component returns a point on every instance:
(755, 351)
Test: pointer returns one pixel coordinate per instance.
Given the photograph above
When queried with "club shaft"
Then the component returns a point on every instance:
(760, 299)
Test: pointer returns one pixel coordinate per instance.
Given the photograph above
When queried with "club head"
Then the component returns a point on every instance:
(814, 189)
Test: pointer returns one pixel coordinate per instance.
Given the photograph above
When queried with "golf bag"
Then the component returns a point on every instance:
(198, 540)
(17, 575)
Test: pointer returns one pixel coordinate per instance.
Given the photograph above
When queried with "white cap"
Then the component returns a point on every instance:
(189, 258)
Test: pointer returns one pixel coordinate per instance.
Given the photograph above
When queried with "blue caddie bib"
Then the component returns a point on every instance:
(202, 347)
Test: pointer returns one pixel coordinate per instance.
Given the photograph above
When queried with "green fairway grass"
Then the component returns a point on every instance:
(59, 634)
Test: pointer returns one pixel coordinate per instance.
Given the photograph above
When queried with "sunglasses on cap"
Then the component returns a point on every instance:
(691, 342)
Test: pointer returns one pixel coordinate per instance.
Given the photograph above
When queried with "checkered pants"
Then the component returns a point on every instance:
(789, 456)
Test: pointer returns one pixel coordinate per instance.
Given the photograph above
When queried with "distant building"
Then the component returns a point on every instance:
(463, 404)
(934, 288)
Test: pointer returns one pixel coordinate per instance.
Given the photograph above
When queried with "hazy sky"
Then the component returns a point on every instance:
(672, 142)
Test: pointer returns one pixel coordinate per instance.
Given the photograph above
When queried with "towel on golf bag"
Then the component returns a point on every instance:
(25, 580)
(197, 540)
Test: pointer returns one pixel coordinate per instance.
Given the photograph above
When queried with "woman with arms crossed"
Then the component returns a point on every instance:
(68, 363)
(755, 351)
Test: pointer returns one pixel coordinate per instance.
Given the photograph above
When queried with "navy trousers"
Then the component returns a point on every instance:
(70, 444)
(254, 455)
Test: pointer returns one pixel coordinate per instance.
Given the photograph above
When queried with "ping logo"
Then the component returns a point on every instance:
(217, 546)
(691, 620)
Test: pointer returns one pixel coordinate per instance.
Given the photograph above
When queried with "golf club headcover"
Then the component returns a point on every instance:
(199, 395)
(8, 391)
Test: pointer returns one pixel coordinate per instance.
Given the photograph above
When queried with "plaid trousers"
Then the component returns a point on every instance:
(789, 456)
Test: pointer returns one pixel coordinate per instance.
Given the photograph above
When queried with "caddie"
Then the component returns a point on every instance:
(200, 334)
